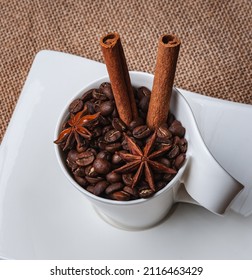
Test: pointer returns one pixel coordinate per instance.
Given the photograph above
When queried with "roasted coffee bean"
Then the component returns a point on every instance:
(114, 187)
(116, 159)
(179, 161)
(165, 161)
(81, 147)
(183, 145)
(93, 180)
(72, 156)
(163, 135)
(89, 171)
(90, 189)
(131, 191)
(104, 121)
(142, 92)
(106, 89)
(119, 125)
(85, 158)
(177, 129)
(92, 150)
(81, 181)
(100, 187)
(173, 152)
(135, 123)
(87, 95)
(168, 177)
(91, 107)
(120, 196)
(113, 177)
(145, 192)
(101, 166)
(160, 185)
(97, 132)
(106, 108)
(76, 106)
(144, 104)
(98, 95)
(127, 178)
(115, 113)
(141, 131)
(104, 155)
(113, 147)
(80, 171)
(176, 140)
(112, 136)
(106, 129)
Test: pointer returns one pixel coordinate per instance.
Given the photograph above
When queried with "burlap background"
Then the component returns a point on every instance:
(215, 57)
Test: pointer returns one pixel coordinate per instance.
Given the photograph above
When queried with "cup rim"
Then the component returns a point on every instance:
(65, 170)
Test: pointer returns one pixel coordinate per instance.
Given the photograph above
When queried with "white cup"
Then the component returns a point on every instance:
(201, 180)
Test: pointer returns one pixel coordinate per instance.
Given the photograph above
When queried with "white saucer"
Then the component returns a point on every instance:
(43, 217)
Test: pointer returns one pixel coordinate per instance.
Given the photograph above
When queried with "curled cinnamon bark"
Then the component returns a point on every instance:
(167, 55)
(119, 77)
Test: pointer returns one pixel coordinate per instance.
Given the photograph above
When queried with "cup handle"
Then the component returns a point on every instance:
(206, 183)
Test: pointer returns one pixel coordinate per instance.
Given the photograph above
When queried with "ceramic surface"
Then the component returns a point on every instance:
(43, 217)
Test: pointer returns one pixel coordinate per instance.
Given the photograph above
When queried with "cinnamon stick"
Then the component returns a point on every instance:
(119, 77)
(167, 55)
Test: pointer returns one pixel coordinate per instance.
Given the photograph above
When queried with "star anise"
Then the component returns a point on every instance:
(143, 160)
(76, 128)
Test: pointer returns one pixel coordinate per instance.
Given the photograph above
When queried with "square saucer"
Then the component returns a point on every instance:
(44, 217)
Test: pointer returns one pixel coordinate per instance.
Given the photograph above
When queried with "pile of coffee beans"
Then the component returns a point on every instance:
(92, 162)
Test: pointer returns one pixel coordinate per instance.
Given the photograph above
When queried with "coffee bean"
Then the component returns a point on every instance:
(97, 132)
(85, 158)
(97, 94)
(127, 178)
(91, 107)
(179, 161)
(120, 196)
(131, 191)
(135, 123)
(114, 187)
(72, 156)
(141, 131)
(93, 180)
(145, 192)
(113, 147)
(165, 161)
(87, 95)
(80, 180)
(144, 104)
(183, 145)
(106, 89)
(89, 171)
(160, 185)
(119, 125)
(90, 189)
(76, 106)
(177, 129)
(112, 136)
(113, 177)
(116, 159)
(101, 166)
(106, 129)
(100, 187)
(80, 171)
(106, 108)
(173, 152)
(163, 135)
(142, 92)
(104, 155)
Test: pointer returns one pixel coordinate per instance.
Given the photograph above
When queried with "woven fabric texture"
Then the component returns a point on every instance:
(215, 56)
